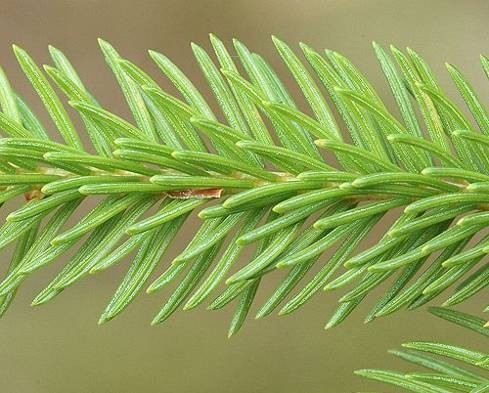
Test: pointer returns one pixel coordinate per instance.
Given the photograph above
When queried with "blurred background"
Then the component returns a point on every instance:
(59, 347)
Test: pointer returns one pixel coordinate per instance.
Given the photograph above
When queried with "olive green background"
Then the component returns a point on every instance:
(59, 347)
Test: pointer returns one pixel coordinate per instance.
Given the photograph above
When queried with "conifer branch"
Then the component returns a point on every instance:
(442, 376)
(304, 189)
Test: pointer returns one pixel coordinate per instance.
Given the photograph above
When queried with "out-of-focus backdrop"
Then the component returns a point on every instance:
(59, 347)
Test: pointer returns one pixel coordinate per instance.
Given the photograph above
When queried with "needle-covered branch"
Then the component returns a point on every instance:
(301, 188)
